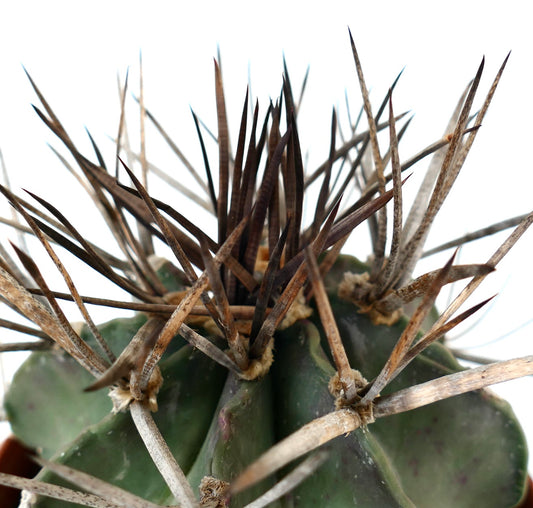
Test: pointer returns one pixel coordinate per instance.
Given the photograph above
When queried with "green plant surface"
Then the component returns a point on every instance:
(60, 381)
(113, 450)
(470, 448)
(242, 429)
(357, 471)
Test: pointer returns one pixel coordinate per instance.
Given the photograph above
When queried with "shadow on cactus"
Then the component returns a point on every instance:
(263, 367)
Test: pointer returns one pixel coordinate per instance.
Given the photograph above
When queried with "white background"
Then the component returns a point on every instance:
(74, 51)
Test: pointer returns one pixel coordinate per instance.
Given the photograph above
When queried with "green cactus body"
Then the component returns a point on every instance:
(258, 338)
(112, 443)
(242, 429)
(357, 471)
(469, 449)
(60, 378)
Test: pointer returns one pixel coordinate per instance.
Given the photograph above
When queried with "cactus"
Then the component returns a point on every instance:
(263, 367)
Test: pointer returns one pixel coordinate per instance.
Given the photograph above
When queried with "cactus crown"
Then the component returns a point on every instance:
(233, 295)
